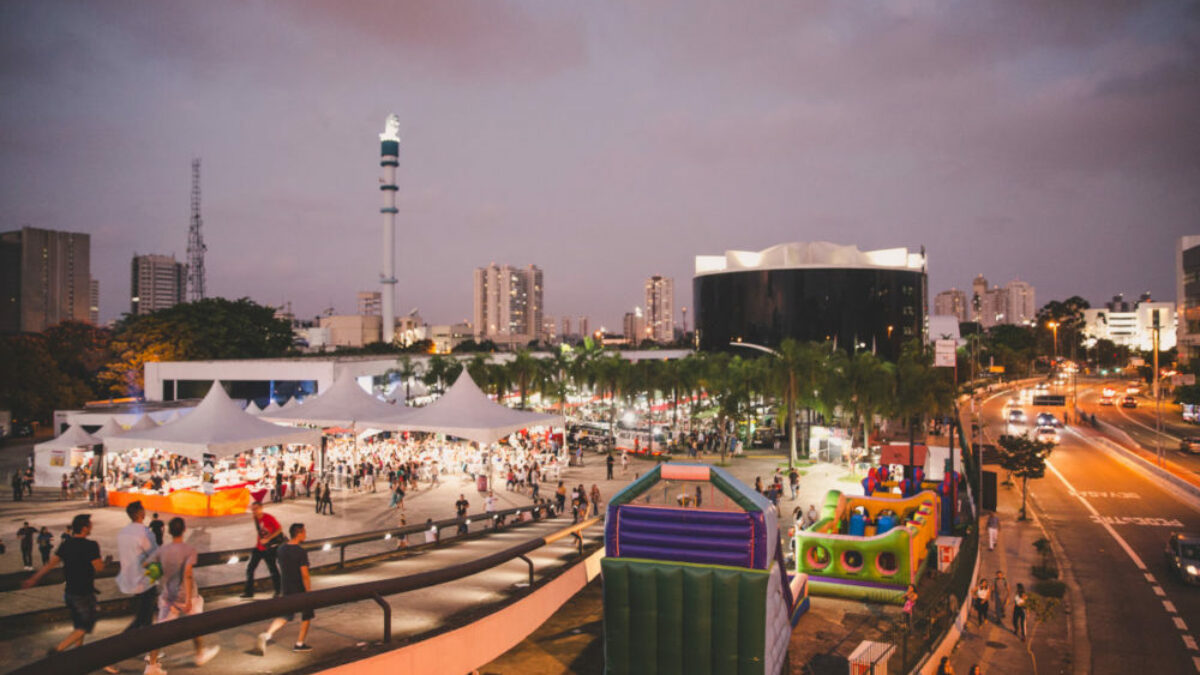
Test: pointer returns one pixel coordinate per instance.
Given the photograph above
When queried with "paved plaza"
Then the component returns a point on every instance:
(349, 631)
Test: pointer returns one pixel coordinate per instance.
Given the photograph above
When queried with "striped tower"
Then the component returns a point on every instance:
(389, 151)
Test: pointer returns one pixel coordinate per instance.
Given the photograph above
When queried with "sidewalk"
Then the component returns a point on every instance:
(995, 646)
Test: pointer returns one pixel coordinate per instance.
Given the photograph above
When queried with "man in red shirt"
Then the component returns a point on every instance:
(269, 537)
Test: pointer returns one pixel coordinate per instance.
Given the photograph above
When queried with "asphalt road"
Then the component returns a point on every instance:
(1112, 523)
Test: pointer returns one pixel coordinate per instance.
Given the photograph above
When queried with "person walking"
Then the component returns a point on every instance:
(982, 595)
(794, 482)
(156, 526)
(993, 530)
(624, 462)
(18, 487)
(178, 594)
(270, 537)
(293, 560)
(595, 499)
(1000, 595)
(910, 603)
(135, 543)
(460, 510)
(25, 537)
(327, 501)
(1018, 617)
(608, 466)
(80, 558)
(318, 503)
(45, 542)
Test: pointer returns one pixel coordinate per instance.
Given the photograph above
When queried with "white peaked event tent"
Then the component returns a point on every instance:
(61, 455)
(110, 428)
(145, 422)
(292, 404)
(252, 408)
(342, 405)
(217, 426)
(466, 412)
(271, 407)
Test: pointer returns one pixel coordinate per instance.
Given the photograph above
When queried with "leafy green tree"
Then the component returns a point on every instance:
(525, 372)
(921, 389)
(81, 351)
(213, 328)
(1024, 458)
(437, 372)
(865, 386)
(1068, 315)
(32, 383)
(407, 369)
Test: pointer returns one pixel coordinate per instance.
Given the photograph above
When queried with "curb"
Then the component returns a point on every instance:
(1081, 646)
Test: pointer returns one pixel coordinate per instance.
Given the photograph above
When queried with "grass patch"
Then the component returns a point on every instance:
(849, 479)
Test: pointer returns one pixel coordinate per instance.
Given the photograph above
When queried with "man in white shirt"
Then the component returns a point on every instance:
(135, 543)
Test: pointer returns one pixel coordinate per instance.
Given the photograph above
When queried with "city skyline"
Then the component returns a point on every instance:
(604, 143)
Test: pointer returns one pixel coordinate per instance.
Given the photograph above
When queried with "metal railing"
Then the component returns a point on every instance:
(234, 556)
(130, 644)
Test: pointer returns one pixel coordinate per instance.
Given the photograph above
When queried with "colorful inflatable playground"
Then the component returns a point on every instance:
(694, 579)
(868, 548)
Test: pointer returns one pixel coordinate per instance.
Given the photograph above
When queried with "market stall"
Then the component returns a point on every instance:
(62, 455)
(214, 482)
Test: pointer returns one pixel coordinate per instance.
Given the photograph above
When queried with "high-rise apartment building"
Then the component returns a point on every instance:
(634, 325)
(584, 329)
(566, 328)
(156, 282)
(1187, 297)
(94, 302)
(660, 309)
(550, 330)
(979, 289)
(45, 278)
(370, 303)
(508, 304)
(951, 303)
(1022, 302)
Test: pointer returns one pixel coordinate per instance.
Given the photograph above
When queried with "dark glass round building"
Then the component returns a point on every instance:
(818, 291)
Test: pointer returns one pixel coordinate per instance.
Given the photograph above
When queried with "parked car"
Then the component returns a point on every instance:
(1129, 402)
(1046, 435)
(1190, 444)
(1183, 556)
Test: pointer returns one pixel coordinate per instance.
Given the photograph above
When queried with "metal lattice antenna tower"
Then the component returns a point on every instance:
(196, 248)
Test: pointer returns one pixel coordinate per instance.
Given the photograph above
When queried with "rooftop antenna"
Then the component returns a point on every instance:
(196, 248)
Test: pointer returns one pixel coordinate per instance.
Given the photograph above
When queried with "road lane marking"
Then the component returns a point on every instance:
(1170, 607)
(1190, 642)
(1196, 662)
(1113, 533)
(1159, 591)
(1138, 520)
(1100, 494)
(1179, 623)
(1149, 577)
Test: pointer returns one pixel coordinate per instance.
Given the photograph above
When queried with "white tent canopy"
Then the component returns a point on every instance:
(217, 426)
(145, 422)
(466, 412)
(252, 408)
(343, 404)
(271, 407)
(109, 429)
(61, 455)
(293, 403)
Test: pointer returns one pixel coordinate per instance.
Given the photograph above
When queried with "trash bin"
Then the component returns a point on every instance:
(481, 482)
(947, 551)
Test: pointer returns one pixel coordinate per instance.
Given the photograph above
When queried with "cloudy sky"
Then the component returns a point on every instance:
(1055, 142)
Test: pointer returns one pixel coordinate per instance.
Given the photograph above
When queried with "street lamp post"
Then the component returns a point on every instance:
(1053, 325)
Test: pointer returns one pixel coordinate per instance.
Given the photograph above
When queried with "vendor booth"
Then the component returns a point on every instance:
(62, 455)
(214, 433)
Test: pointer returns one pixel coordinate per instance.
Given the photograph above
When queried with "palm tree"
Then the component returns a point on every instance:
(799, 373)
(477, 366)
(436, 372)
(611, 374)
(920, 389)
(524, 371)
(864, 385)
(407, 369)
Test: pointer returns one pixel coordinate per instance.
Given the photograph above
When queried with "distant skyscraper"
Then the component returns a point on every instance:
(508, 304)
(635, 326)
(660, 309)
(370, 303)
(979, 289)
(951, 303)
(157, 282)
(1187, 297)
(566, 327)
(550, 330)
(584, 330)
(94, 302)
(1022, 302)
(45, 278)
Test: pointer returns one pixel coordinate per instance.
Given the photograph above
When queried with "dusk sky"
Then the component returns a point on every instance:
(1055, 142)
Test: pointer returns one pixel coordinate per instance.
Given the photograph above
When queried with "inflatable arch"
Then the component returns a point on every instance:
(694, 577)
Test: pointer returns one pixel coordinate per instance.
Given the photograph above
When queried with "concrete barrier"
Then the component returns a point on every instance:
(465, 649)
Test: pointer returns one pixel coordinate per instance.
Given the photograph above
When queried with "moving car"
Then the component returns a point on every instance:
(1016, 416)
(1190, 444)
(1132, 389)
(1046, 419)
(1108, 391)
(1106, 400)
(1129, 402)
(1046, 435)
(1183, 556)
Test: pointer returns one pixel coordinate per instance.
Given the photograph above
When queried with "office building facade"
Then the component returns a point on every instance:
(156, 282)
(45, 279)
(951, 303)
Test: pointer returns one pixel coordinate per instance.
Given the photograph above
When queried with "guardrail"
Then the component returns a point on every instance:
(130, 644)
(234, 556)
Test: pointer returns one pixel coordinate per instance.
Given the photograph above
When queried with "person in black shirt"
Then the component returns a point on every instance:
(25, 537)
(156, 526)
(293, 565)
(81, 560)
(460, 507)
(608, 465)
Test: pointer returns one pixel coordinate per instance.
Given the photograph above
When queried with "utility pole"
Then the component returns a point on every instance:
(1155, 389)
